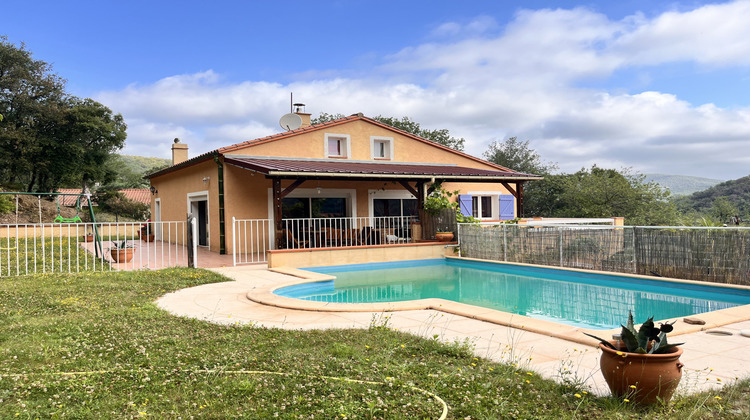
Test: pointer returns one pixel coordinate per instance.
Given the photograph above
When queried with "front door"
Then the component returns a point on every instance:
(199, 209)
(202, 223)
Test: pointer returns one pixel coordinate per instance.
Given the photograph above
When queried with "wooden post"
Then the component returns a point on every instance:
(420, 195)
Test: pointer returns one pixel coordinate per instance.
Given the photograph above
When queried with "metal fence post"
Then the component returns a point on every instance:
(561, 246)
(192, 242)
(234, 242)
(505, 242)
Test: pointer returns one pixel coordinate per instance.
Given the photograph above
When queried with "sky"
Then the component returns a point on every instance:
(656, 87)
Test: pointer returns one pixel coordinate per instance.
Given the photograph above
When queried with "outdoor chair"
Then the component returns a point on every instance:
(334, 237)
(366, 236)
(293, 243)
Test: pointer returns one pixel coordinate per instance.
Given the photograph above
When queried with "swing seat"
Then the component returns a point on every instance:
(60, 219)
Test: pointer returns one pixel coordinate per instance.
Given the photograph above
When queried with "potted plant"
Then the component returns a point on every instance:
(145, 232)
(443, 234)
(440, 213)
(121, 251)
(641, 365)
(89, 237)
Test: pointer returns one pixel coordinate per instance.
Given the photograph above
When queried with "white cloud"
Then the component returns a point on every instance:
(521, 82)
(714, 35)
(476, 27)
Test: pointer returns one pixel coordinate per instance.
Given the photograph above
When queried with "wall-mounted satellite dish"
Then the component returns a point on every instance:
(290, 122)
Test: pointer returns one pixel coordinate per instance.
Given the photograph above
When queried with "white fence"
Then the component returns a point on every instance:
(252, 238)
(346, 231)
(76, 247)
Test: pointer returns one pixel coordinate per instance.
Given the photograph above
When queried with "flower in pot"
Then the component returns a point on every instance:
(443, 234)
(145, 232)
(121, 251)
(641, 365)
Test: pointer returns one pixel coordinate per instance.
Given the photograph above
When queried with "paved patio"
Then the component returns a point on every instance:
(710, 360)
(158, 254)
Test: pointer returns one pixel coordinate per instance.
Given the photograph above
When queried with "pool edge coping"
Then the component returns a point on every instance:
(714, 319)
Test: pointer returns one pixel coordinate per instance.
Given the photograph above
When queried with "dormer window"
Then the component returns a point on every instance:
(337, 145)
(381, 147)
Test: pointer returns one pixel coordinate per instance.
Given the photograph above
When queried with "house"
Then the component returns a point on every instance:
(323, 184)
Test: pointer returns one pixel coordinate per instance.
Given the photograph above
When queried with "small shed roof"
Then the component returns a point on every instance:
(140, 195)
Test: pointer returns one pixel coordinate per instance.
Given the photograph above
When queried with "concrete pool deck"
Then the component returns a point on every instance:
(710, 360)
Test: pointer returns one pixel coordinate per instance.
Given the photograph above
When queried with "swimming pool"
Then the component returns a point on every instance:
(580, 299)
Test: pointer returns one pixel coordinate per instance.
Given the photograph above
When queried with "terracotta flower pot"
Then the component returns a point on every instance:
(146, 238)
(121, 255)
(643, 378)
(88, 238)
(444, 236)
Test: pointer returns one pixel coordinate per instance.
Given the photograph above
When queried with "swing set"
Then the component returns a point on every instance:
(59, 219)
(76, 219)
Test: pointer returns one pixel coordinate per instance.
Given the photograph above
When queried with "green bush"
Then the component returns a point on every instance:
(6, 204)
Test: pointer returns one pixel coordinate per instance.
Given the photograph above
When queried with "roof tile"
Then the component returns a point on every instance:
(281, 167)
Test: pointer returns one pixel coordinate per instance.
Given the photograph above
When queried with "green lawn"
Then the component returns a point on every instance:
(94, 345)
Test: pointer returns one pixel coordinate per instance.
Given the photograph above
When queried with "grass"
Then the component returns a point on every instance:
(94, 345)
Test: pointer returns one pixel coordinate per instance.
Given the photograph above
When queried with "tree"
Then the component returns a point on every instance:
(541, 198)
(325, 117)
(598, 192)
(588, 193)
(723, 209)
(516, 155)
(30, 97)
(50, 138)
(440, 136)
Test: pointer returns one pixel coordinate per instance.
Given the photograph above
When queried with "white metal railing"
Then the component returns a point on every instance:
(586, 222)
(251, 238)
(76, 247)
(345, 231)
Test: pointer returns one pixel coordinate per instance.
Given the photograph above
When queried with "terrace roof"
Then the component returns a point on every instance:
(332, 169)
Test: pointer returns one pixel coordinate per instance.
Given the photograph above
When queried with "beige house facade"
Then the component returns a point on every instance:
(354, 167)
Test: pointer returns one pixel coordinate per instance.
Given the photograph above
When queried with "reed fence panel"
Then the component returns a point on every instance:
(720, 255)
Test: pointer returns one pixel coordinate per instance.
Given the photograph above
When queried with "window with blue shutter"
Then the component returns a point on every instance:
(464, 204)
(506, 207)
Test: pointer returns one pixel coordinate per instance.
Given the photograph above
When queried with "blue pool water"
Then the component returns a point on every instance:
(587, 300)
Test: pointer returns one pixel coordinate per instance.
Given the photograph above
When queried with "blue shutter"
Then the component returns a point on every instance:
(464, 205)
(506, 207)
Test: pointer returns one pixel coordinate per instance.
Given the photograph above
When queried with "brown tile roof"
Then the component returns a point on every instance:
(367, 169)
(141, 195)
(70, 200)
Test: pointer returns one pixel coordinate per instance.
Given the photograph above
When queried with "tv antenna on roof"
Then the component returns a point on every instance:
(290, 122)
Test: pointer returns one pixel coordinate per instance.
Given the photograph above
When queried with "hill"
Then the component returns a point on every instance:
(737, 192)
(141, 164)
(680, 185)
(133, 168)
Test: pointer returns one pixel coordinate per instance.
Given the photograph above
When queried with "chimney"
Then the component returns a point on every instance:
(179, 152)
(299, 109)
